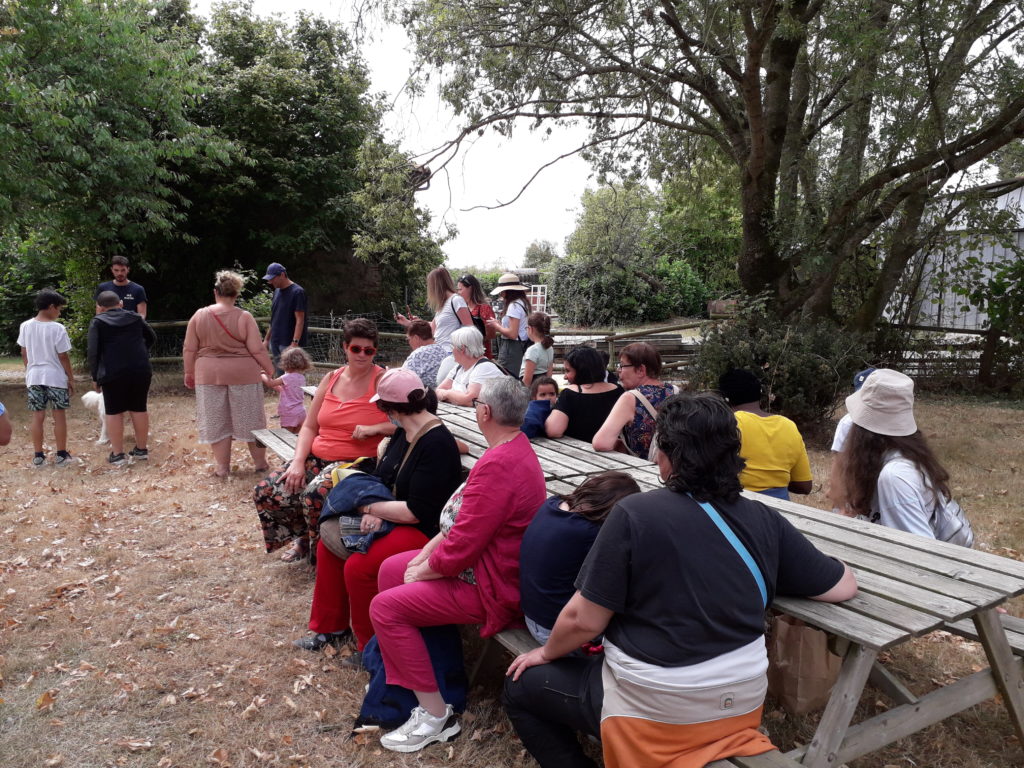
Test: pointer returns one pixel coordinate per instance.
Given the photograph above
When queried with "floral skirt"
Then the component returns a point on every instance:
(287, 516)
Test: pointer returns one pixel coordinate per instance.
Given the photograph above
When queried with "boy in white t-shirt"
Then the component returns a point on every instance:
(44, 349)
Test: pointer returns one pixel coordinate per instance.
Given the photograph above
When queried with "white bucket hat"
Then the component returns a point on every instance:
(509, 282)
(884, 404)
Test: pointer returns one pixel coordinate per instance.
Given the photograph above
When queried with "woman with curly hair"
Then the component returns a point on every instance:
(684, 673)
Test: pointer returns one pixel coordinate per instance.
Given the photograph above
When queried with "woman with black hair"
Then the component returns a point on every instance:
(422, 466)
(684, 673)
(587, 399)
(472, 291)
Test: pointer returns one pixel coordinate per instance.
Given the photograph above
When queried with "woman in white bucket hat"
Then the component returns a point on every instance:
(890, 473)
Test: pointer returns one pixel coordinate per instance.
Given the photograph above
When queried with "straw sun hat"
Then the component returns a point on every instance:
(884, 404)
(509, 282)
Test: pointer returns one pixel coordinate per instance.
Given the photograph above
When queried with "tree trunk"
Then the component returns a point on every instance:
(986, 365)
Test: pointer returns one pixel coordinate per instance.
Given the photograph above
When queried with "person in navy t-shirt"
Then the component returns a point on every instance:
(287, 314)
(133, 296)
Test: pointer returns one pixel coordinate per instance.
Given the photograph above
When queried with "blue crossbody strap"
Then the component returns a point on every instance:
(738, 546)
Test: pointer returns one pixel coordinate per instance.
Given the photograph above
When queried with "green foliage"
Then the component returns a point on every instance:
(540, 255)
(804, 366)
(619, 268)
(393, 232)
(842, 123)
(95, 121)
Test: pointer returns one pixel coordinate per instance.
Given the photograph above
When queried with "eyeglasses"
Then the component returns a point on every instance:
(355, 349)
(620, 366)
(477, 401)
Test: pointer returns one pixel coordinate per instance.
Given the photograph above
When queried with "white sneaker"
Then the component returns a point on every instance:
(422, 729)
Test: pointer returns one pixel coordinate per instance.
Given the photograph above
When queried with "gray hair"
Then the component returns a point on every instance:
(470, 340)
(507, 399)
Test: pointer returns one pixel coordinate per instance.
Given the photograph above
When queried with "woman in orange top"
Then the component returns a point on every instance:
(341, 425)
(224, 357)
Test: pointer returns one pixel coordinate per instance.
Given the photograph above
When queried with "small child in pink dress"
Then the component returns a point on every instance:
(294, 362)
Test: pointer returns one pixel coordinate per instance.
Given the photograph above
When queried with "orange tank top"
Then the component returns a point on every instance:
(338, 418)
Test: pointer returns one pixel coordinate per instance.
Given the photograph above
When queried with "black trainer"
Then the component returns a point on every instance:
(317, 641)
(117, 459)
(139, 454)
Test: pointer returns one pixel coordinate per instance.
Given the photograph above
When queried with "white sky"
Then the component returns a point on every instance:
(489, 170)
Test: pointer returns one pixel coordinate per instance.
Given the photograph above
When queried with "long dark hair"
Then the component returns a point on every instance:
(595, 498)
(699, 435)
(476, 291)
(511, 297)
(864, 456)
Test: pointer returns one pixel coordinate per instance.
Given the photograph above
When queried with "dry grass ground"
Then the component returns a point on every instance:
(141, 623)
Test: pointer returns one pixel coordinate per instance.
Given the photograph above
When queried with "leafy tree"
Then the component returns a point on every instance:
(843, 120)
(94, 125)
(392, 232)
(616, 268)
(540, 254)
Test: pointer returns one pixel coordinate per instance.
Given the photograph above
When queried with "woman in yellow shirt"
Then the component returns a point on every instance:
(776, 460)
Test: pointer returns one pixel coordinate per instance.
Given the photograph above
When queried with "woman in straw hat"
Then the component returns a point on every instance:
(889, 472)
(512, 336)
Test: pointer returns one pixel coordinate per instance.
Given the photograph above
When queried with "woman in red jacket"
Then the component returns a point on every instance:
(467, 574)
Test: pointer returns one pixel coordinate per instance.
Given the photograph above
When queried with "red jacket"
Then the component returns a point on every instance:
(503, 492)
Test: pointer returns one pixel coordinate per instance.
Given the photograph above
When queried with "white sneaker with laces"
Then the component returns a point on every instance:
(422, 729)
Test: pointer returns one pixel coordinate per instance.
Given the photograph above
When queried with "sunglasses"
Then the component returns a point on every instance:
(355, 349)
(465, 279)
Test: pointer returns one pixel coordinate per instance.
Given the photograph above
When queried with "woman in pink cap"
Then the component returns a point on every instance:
(890, 474)
(422, 467)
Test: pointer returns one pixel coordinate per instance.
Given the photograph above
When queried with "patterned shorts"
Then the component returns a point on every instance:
(40, 395)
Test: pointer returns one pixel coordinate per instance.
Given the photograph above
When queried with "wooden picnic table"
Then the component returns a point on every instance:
(909, 586)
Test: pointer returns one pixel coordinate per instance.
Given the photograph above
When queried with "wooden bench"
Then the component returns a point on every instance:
(282, 443)
(773, 759)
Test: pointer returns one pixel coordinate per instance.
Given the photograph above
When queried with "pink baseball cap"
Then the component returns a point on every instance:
(396, 385)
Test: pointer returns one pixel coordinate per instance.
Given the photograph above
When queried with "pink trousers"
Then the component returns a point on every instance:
(399, 610)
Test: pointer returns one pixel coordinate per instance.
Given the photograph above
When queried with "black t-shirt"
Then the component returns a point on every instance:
(680, 592)
(554, 547)
(431, 474)
(287, 301)
(586, 412)
(131, 294)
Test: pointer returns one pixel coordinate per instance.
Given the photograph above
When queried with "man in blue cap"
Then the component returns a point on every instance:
(287, 314)
(835, 491)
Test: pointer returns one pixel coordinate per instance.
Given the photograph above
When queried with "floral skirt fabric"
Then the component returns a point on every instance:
(287, 516)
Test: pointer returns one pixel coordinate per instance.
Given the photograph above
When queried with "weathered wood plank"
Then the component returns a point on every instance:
(888, 611)
(1005, 670)
(837, 619)
(905, 720)
(835, 720)
(910, 594)
(890, 536)
(925, 562)
(517, 641)
(1013, 627)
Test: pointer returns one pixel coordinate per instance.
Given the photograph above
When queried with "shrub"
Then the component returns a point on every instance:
(804, 366)
(594, 291)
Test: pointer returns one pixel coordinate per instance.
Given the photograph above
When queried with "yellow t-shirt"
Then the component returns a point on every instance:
(774, 452)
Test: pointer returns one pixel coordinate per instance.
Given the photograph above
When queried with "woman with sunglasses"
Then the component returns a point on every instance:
(472, 291)
(341, 425)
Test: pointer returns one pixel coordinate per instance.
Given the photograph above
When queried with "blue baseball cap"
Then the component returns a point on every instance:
(860, 378)
(274, 270)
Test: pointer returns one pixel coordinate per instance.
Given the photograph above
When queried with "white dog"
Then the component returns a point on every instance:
(94, 401)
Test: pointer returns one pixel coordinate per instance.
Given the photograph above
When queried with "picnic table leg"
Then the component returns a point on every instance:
(822, 752)
(1005, 671)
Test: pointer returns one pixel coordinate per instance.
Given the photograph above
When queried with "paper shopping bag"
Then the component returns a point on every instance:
(801, 670)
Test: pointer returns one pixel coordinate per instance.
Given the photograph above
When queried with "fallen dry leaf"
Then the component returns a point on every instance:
(46, 700)
(134, 745)
(219, 756)
(54, 760)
